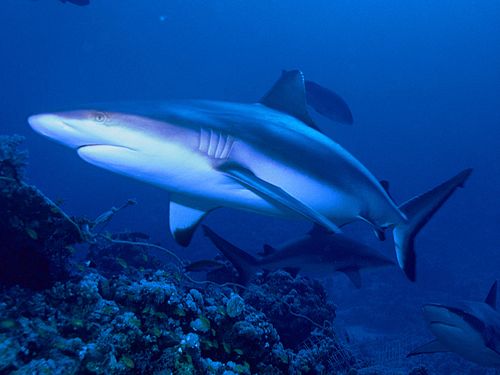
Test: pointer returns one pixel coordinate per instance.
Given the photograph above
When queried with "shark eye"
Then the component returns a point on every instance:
(101, 117)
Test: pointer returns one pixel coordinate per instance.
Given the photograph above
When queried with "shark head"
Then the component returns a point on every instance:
(470, 329)
(136, 146)
(86, 128)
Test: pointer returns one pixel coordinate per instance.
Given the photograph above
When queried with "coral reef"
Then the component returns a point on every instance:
(98, 325)
(285, 300)
(36, 235)
(111, 255)
(12, 159)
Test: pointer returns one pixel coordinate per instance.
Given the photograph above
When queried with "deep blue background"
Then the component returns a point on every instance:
(422, 79)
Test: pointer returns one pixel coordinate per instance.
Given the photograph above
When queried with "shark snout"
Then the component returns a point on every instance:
(54, 127)
(45, 123)
(63, 128)
(440, 314)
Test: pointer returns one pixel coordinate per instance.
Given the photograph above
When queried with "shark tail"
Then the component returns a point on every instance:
(419, 211)
(245, 264)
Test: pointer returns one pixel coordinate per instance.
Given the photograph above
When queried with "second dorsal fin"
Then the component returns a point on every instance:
(288, 95)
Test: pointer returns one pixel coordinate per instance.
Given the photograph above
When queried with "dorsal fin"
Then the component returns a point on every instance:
(491, 298)
(288, 95)
(293, 271)
(267, 250)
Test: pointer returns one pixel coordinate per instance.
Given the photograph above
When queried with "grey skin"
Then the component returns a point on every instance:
(266, 157)
(318, 253)
(469, 329)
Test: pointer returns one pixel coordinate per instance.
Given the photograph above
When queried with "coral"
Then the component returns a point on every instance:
(12, 160)
(36, 234)
(235, 306)
(285, 300)
(144, 326)
(112, 257)
(147, 326)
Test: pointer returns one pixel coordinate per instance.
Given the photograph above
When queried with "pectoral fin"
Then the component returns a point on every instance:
(183, 221)
(274, 194)
(431, 347)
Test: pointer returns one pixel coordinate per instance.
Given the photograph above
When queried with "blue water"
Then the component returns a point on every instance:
(422, 79)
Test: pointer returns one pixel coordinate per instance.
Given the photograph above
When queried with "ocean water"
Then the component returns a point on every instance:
(422, 79)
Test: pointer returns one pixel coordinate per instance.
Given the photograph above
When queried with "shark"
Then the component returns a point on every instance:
(77, 2)
(267, 157)
(470, 329)
(318, 253)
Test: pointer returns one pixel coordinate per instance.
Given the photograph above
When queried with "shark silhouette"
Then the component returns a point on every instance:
(318, 253)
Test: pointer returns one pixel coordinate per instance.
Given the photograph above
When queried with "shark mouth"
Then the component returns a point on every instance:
(95, 145)
(106, 155)
(437, 322)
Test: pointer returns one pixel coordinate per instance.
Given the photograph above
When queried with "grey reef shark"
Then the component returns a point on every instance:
(469, 329)
(318, 253)
(321, 252)
(267, 157)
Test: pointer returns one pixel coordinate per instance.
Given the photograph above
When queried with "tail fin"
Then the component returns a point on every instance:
(245, 264)
(419, 210)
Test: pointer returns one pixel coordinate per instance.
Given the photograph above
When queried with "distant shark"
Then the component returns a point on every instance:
(319, 253)
(76, 2)
(470, 329)
(267, 157)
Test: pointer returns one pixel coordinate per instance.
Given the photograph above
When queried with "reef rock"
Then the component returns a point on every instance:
(35, 233)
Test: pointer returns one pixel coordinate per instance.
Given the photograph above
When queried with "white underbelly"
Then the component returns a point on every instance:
(193, 176)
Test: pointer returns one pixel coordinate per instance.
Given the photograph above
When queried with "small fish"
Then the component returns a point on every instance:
(328, 103)
(77, 2)
(205, 265)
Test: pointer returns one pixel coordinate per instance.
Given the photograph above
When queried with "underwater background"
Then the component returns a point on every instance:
(422, 79)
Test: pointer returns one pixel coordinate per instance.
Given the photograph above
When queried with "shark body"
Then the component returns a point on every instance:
(266, 157)
(470, 329)
(318, 253)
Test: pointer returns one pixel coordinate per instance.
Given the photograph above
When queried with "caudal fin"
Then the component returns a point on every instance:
(245, 264)
(419, 210)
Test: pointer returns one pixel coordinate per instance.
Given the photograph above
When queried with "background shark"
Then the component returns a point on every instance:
(266, 157)
(319, 253)
(470, 329)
